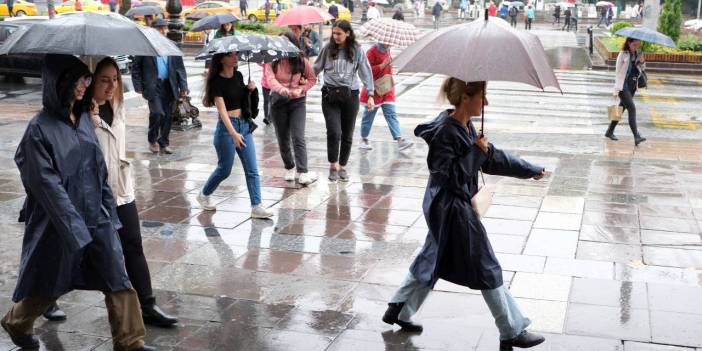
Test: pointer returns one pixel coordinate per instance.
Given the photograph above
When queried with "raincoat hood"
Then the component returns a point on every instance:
(427, 130)
(58, 69)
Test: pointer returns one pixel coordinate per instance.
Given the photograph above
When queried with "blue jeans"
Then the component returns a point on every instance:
(508, 318)
(390, 117)
(225, 147)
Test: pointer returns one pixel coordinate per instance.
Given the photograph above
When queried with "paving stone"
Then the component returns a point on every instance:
(604, 292)
(552, 243)
(676, 328)
(612, 322)
(663, 256)
(674, 298)
(579, 268)
(609, 252)
(560, 221)
(563, 204)
(638, 346)
(541, 286)
(521, 263)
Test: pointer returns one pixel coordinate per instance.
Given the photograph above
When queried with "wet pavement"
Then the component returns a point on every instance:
(605, 254)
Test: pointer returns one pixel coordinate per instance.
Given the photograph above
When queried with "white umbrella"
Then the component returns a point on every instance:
(604, 4)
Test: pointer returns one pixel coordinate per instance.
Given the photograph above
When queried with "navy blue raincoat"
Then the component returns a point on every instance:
(457, 248)
(70, 240)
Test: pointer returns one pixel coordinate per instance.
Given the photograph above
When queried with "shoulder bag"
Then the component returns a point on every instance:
(482, 200)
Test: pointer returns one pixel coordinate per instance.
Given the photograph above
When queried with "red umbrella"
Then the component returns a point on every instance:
(300, 15)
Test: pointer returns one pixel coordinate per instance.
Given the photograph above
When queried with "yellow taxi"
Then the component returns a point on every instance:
(260, 13)
(344, 13)
(20, 8)
(84, 5)
(213, 7)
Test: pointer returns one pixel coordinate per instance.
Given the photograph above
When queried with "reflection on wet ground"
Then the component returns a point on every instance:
(569, 58)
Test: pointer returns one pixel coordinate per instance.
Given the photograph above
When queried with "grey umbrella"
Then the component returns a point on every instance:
(482, 50)
(646, 34)
(89, 34)
(144, 11)
(213, 22)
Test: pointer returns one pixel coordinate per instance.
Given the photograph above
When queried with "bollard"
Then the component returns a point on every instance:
(589, 33)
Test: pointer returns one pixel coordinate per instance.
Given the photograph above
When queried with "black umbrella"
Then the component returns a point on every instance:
(213, 22)
(144, 11)
(89, 34)
(197, 15)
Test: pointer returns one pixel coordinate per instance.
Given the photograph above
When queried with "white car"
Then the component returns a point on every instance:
(695, 24)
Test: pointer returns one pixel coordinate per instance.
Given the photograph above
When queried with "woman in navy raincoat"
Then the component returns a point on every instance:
(457, 248)
(70, 239)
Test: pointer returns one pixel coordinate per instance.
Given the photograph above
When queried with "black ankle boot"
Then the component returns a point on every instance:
(638, 140)
(524, 340)
(610, 131)
(391, 316)
(155, 316)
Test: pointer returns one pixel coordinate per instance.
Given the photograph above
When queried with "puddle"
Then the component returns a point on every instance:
(568, 58)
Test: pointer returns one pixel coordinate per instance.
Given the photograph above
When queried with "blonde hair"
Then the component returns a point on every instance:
(453, 89)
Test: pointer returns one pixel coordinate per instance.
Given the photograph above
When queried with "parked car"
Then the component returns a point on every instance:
(83, 5)
(694, 24)
(260, 13)
(213, 7)
(19, 8)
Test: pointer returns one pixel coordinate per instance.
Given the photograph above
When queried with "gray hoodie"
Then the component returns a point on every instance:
(341, 72)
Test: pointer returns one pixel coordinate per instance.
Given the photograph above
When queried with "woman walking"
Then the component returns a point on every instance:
(225, 30)
(70, 239)
(290, 79)
(457, 248)
(342, 61)
(381, 65)
(225, 89)
(630, 64)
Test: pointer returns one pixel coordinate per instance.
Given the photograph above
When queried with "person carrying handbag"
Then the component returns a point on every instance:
(381, 65)
(342, 60)
(289, 80)
(630, 64)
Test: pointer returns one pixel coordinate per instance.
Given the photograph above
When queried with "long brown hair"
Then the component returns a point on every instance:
(627, 42)
(350, 46)
(213, 72)
(297, 64)
(118, 96)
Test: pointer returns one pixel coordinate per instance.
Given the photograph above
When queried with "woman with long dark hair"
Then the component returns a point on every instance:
(225, 30)
(70, 239)
(457, 248)
(225, 89)
(342, 61)
(630, 64)
(289, 80)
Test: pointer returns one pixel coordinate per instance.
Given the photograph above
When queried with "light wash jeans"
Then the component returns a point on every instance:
(390, 117)
(508, 318)
(224, 145)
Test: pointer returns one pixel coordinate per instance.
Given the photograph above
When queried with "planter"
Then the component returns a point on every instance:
(194, 37)
(649, 56)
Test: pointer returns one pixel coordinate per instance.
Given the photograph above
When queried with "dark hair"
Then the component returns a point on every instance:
(627, 42)
(350, 45)
(66, 85)
(297, 64)
(90, 92)
(224, 31)
(212, 74)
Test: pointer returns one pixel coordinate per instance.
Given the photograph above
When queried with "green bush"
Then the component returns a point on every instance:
(250, 26)
(690, 42)
(187, 25)
(619, 25)
(670, 21)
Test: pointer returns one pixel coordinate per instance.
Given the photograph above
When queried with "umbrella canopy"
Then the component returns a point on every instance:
(566, 4)
(604, 4)
(251, 48)
(646, 34)
(391, 32)
(213, 22)
(197, 15)
(381, 2)
(515, 3)
(468, 52)
(144, 11)
(301, 15)
(89, 34)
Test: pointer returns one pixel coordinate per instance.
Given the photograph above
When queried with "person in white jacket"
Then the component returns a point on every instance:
(630, 64)
(373, 11)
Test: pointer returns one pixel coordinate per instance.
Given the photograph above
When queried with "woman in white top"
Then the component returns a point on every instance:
(630, 64)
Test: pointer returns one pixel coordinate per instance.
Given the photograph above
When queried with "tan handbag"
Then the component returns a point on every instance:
(482, 200)
(383, 85)
(614, 112)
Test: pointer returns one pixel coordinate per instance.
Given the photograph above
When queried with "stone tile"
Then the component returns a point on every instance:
(516, 200)
(612, 322)
(579, 268)
(666, 211)
(611, 219)
(219, 219)
(560, 221)
(199, 308)
(638, 346)
(541, 286)
(663, 256)
(52, 340)
(336, 267)
(273, 261)
(168, 250)
(676, 328)
(563, 204)
(655, 237)
(611, 207)
(546, 316)
(511, 244)
(373, 232)
(506, 226)
(605, 292)
(511, 212)
(167, 214)
(392, 217)
(608, 252)
(654, 274)
(552, 243)
(669, 224)
(255, 314)
(327, 323)
(673, 298)
(606, 234)
(290, 340)
(226, 336)
(521, 263)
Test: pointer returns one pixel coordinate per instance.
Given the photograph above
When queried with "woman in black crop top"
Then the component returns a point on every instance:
(225, 89)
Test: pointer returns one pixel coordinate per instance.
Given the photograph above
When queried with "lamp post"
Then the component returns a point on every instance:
(175, 25)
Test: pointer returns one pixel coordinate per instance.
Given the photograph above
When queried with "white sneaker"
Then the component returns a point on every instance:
(364, 145)
(260, 212)
(307, 178)
(404, 144)
(206, 202)
(289, 175)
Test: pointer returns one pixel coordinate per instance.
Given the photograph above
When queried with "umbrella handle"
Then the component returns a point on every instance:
(482, 114)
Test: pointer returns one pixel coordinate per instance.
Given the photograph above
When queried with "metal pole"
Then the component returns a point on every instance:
(699, 6)
(175, 25)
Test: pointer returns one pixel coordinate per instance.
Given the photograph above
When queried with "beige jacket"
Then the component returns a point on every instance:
(113, 145)
(622, 67)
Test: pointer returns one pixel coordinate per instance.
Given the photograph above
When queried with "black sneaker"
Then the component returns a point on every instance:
(524, 340)
(392, 314)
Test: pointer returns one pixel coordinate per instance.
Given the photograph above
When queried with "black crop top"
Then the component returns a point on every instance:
(232, 90)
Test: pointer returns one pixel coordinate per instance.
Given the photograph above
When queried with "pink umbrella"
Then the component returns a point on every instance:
(391, 32)
(300, 15)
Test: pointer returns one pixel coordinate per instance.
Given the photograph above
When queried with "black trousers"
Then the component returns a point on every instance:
(340, 119)
(527, 24)
(134, 259)
(266, 103)
(626, 99)
(513, 21)
(160, 114)
(289, 122)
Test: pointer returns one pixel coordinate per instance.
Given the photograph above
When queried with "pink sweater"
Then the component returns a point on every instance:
(280, 81)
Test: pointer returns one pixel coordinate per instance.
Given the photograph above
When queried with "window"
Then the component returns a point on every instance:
(5, 32)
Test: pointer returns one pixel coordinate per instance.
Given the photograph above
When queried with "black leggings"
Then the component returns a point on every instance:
(134, 259)
(340, 119)
(627, 101)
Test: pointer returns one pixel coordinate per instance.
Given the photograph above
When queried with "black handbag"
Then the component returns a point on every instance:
(336, 95)
(642, 81)
(278, 100)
